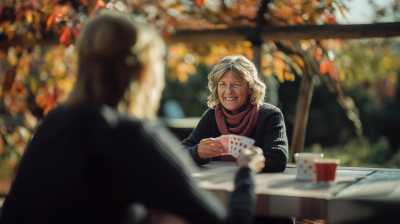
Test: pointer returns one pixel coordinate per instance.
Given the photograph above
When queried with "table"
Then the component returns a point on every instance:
(280, 194)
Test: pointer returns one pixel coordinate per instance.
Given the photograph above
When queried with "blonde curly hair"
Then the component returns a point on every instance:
(241, 67)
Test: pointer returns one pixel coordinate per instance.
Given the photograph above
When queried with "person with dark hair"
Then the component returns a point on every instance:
(100, 154)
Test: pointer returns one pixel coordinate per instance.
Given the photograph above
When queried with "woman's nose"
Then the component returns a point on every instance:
(229, 89)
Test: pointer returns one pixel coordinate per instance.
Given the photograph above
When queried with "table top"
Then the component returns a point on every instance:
(280, 194)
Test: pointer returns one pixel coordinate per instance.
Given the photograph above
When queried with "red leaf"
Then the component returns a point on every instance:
(332, 20)
(317, 56)
(76, 32)
(199, 2)
(99, 5)
(65, 37)
(332, 70)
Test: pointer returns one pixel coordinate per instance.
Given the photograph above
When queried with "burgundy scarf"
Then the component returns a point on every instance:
(242, 123)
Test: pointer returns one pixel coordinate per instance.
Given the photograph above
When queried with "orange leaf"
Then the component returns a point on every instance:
(332, 71)
(299, 60)
(199, 2)
(279, 66)
(323, 67)
(50, 21)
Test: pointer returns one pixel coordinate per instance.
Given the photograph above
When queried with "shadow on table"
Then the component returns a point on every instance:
(313, 186)
(218, 177)
(305, 186)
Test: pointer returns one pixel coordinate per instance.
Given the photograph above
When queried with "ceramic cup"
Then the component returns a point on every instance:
(305, 163)
(326, 169)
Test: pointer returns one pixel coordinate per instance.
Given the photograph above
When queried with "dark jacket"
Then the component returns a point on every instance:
(269, 134)
(87, 165)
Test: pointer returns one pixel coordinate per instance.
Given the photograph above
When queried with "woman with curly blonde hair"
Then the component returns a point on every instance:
(237, 107)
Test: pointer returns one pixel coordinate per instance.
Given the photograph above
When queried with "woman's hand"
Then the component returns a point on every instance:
(208, 148)
(253, 158)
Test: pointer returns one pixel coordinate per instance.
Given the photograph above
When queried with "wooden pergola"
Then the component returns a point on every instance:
(263, 33)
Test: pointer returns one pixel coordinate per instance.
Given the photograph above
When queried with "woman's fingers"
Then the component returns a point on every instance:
(209, 148)
(211, 141)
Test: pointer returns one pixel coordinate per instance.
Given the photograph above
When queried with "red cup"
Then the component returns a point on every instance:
(326, 169)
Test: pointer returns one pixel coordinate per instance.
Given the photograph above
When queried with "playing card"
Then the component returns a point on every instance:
(235, 145)
(238, 144)
(224, 140)
(247, 142)
(233, 139)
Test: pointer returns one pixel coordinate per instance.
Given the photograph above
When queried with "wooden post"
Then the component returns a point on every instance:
(257, 57)
(301, 118)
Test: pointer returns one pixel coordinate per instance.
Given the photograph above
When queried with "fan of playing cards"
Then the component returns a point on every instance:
(234, 144)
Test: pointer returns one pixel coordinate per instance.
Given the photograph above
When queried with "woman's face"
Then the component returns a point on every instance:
(233, 92)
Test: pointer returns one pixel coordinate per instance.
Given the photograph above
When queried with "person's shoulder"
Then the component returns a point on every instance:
(209, 113)
(266, 108)
(57, 111)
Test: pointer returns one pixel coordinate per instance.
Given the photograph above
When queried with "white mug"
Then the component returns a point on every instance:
(305, 163)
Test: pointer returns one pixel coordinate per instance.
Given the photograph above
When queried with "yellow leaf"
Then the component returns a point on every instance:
(182, 77)
(238, 49)
(214, 49)
(264, 63)
(267, 72)
(387, 62)
(33, 85)
(247, 44)
(190, 69)
(342, 76)
(222, 50)
(279, 75)
(350, 74)
(181, 50)
(28, 16)
(393, 76)
(172, 63)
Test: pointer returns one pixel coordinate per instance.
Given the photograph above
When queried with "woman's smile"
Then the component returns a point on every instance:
(230, 99)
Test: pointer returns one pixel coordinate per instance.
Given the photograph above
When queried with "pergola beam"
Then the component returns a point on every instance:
(275, 33)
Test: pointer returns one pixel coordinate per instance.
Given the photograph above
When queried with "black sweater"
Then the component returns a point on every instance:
(87, 165)
(269, 134)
